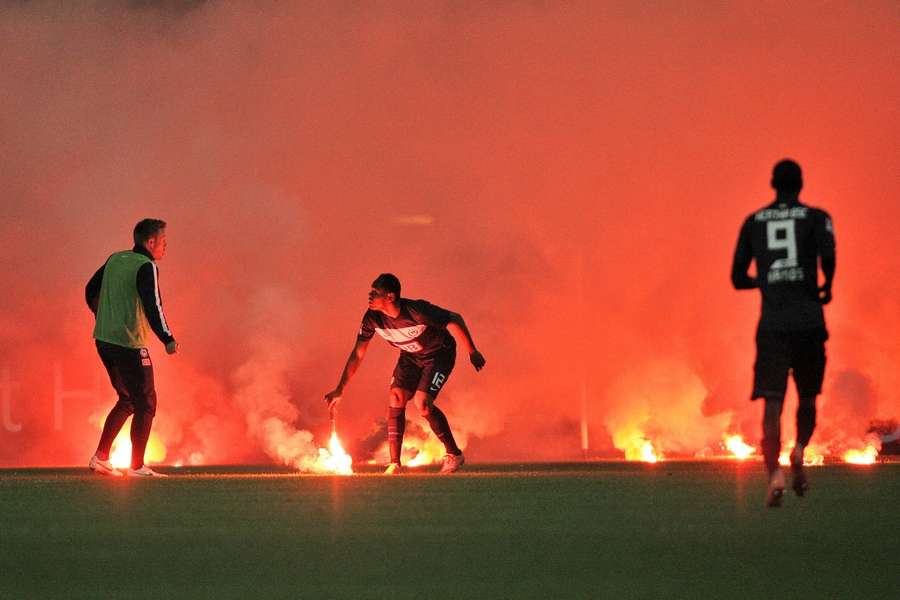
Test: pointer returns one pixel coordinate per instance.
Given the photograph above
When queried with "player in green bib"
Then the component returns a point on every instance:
(124, 296)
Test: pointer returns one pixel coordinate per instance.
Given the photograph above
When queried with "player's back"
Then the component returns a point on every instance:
(787, 240)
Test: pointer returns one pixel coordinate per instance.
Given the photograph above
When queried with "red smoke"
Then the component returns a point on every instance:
(571, 178)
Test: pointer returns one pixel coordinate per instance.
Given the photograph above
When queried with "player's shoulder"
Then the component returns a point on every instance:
(413, 306)
(370, 316)
(819, 217)
(818, 212)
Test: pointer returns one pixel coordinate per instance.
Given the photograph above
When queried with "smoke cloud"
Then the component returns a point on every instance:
(570, 178)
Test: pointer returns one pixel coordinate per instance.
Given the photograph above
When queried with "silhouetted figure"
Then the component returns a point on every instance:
(124, 296)
(422, 333)
(787, 240)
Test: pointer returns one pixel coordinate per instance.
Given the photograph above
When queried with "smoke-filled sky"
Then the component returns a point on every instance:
(570, 177)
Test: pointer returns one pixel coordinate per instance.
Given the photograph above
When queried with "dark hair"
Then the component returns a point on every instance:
(787, 176)
(387, 282)
(146, 229)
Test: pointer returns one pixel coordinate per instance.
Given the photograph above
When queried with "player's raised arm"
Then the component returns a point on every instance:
(457, 327)
(353, 362)
(743, 255)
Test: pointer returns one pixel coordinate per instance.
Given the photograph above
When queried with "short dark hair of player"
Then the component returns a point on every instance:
(787, 176)
(387, 282)
(146, 229)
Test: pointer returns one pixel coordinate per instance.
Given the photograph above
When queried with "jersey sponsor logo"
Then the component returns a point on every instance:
(401, 335)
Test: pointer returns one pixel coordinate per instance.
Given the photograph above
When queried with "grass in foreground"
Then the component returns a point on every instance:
(603, 530)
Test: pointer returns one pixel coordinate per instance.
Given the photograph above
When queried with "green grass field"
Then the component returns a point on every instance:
(597, 530)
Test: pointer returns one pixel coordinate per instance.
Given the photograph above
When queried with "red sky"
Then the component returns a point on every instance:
(571, 178)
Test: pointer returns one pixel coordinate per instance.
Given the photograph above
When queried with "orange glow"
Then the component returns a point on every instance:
(419, 449)
(861, 457)
(643, 450)
(813, 456)
(648, 143)
(120, 455)
(736, 445)
(427, 451)
(334, 459)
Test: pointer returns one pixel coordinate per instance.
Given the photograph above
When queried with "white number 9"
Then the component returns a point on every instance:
(787, 242)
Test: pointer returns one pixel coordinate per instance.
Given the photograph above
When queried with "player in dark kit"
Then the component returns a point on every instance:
(788, 240)
(124, 296)
(422, 333)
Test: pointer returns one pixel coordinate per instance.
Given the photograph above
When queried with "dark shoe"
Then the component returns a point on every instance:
(776, 489)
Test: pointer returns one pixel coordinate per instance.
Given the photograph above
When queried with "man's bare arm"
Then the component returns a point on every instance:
(457, 327)
(353, 362)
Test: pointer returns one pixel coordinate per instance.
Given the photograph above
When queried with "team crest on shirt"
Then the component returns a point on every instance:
(144, 353)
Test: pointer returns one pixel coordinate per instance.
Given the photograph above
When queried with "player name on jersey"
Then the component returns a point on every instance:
(782, 275)
(795, 212)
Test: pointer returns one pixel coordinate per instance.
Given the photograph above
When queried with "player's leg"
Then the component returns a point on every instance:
(770, 382)
(809, 371)
(434, 376)
(114, 359)
(138, 377)
(403, 382)
(141, 382)
(771, 426)
(396, 422)
(437, 420)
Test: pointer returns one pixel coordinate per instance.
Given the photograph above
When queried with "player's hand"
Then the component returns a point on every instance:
(477, 360)
(332, 398)
(824, 295)
(172, 347)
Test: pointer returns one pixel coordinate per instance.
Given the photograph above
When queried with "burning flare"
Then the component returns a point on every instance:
(861, 457)
(334, 459)
(120, 454)
(642, 450)
(425, 451)
(736, 445)
(812, 457)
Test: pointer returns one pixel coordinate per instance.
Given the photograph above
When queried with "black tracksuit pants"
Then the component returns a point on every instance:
(131, 374)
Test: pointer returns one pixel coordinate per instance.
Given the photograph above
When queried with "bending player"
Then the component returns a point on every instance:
(419, 330)
(787, 239)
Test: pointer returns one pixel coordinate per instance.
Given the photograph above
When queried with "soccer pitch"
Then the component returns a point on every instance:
(591, 530)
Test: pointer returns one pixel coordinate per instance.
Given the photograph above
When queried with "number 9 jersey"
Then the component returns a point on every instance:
(786, 241)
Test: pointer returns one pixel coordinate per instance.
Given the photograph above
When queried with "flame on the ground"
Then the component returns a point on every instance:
(812, 457)
(334, 459)
(866, 456)
(426, 452)
(120, 455)
(642, 450)
(736, 445)
(417, 451)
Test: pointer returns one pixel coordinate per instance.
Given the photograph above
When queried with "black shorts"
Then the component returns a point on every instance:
(131, 374)
(428, 374)
(777, 353)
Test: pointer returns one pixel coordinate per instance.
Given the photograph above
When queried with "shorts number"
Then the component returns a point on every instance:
(438, 380)
(782, 241)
